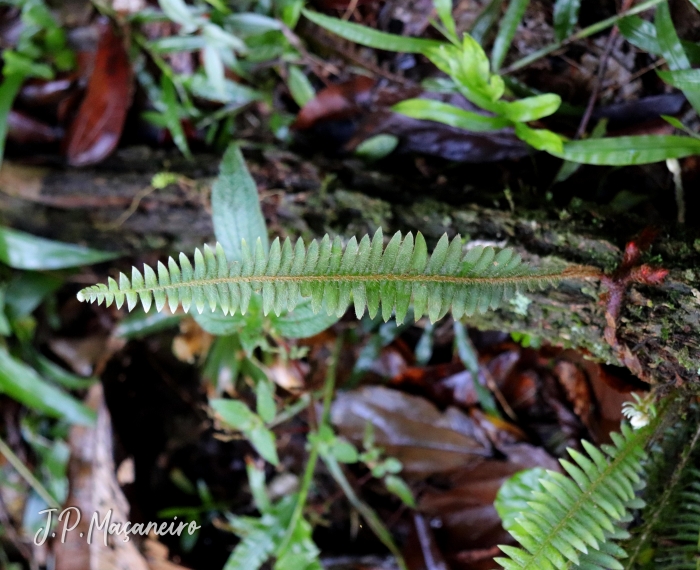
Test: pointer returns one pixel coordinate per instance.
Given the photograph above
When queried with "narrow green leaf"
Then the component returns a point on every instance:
(377, 147)
(683, 79)
(444, 12)
(531, 108)
(509, 24)
(23, 384)
(299, 86)
(623, 151)
(449, 115)
(398, 486)
(565, 18)
(540, 139)
(8, 91)
(171, 115)
(370, 37)
(25, 251)
(263, 440)
(485, 21)
(235, 206)
(265, 400)
(672, 50)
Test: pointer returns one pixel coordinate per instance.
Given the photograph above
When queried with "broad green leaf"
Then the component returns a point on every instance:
(642, 34)
(23, 384)
(263, 440)
(26, 292)
(236, 414)
(444, 12)
(217, 323)
(398, 486)
(515, 493)
(449, 115)
(540, 139)
(8, 91)
(239, 416)
(377, 147)
(299, 86)
(565, 18)
(370, 37)
(672, 50)
(696, 4)
(531, 108)
(682, 78)
(265, 400)
(509, 24)
(140, 324)
(25, 251)
(623, 151)
(256, 482)
(59, 375)
(235, 206)
(302, 322)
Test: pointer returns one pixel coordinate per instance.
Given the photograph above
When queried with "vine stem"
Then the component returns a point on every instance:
(581, 34)
(328, 388)
(21, 468)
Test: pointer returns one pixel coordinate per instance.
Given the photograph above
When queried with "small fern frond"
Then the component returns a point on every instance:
(681, 545)
(669, 534)
(366, 272)
(576, 521)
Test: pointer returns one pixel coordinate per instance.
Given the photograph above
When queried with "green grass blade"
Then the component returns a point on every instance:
(512, 18)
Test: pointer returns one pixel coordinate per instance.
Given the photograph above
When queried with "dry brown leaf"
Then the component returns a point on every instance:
(411, 429)
(94, 489)
(193, 341)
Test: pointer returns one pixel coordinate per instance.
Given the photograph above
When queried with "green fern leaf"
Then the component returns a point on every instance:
(575, 521)
(367, 274)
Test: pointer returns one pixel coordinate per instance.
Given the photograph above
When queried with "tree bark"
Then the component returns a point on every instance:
(658, 325)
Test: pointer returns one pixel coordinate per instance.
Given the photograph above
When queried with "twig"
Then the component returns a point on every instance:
(598, 81)
(21, 468)
(581, 34)
(602, 65)
(328, 389)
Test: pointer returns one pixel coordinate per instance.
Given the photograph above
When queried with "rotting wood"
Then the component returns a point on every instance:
(660, 325)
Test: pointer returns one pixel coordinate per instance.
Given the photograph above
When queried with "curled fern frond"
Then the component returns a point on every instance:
(366, 272)
(575, 522)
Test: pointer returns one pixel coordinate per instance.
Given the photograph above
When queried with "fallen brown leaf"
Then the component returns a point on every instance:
(95, 131)
(411, 429)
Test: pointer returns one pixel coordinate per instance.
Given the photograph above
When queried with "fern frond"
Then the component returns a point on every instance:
(366, 272)
(681, 545)
(575, 522)
(669, 535)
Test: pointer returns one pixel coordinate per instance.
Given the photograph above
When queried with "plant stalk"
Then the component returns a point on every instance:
(581, 34)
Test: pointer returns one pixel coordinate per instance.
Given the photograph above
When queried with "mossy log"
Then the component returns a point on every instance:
(113, 206)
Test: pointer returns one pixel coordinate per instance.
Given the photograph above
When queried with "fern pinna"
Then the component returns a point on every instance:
(575, 522)
(366, 272)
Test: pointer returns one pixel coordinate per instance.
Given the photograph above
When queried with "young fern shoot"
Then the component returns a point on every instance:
(366, 273)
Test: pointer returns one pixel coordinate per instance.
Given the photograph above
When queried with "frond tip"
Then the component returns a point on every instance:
(367, 273)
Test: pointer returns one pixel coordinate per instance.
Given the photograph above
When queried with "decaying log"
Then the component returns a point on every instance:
(660, 325)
